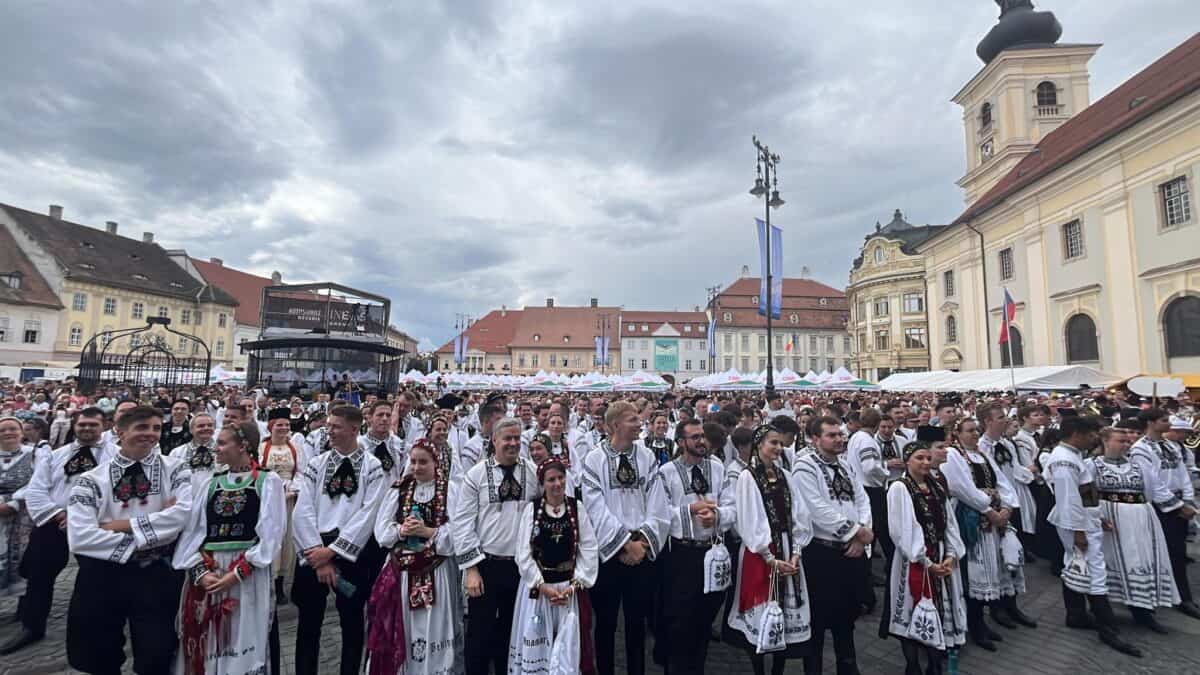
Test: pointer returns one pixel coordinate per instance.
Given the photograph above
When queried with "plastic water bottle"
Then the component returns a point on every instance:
(413, 542)
(952, 662)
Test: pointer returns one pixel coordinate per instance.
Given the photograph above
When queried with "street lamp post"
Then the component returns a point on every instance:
(766, 185)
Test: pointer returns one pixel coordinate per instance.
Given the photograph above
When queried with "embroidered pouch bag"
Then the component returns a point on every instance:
(771, 636)
(718, 571)
(925, 625)
(564, 656)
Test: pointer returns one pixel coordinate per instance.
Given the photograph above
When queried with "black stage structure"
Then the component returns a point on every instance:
(323, 338)
(145, 357)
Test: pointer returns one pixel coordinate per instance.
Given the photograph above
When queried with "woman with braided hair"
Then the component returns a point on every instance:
(236, 527)
(415, 612)
(773, 523)
(558, 557)
(928, 547)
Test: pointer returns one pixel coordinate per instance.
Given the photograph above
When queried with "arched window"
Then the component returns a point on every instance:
(1017, 346)
(951, 329)
(1047, 94)
(985, 116)
(1081, 339)
(1181, 322)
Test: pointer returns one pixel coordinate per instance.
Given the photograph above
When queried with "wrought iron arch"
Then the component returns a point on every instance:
(148, 361)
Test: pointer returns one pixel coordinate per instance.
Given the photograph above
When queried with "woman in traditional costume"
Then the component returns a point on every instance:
(1135, 550)
(281, 456)
(415, 613)
(439, 437)
(235, 531)
(558, 558)
(928, 547)
(773, 523)
(993, 565)
(16, 468)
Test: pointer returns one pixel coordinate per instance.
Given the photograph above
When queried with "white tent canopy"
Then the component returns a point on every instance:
(1037, 378)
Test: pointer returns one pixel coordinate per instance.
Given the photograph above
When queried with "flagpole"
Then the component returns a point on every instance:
(1012, 372)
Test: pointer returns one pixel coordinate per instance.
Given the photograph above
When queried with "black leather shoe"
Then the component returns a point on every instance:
(984, 642)
(22, 639)
(991, 634)
(1000, 616)
(1082, 621)
(1113, 640)
(1190, 609)
(1021, 617)
(1151, 622)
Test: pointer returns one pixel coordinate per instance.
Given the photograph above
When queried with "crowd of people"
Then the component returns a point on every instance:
(511, 532)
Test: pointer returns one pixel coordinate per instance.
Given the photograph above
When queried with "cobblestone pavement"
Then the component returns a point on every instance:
(1051, 648)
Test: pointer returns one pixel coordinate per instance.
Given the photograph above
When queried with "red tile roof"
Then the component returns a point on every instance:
(246, 287)
(34, 289)
(579, 325)
(654, 320)
(791, 288)
(491, 334)
(1175, 75)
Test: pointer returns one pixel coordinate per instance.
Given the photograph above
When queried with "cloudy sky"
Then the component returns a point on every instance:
(457, 155)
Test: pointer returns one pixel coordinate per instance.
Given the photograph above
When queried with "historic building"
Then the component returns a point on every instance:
(671, 344)
(29, 310)
(488, 340)
(811, 333)
(563, 339)
(106, 281)
(888, 321)
(1084, 212)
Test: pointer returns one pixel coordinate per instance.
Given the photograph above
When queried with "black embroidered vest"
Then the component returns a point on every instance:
(232, 512)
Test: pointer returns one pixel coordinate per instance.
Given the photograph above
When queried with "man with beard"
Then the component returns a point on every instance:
(694, 486)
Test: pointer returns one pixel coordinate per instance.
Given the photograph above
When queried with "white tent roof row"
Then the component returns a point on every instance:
(542, 381)
(784, 380)
(1037, 378)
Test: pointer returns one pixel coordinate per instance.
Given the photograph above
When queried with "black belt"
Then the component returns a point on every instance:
(692, 543)
(504, 558)
(829, 543)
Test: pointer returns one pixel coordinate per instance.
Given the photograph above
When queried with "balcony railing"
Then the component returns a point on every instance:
(1049, 110)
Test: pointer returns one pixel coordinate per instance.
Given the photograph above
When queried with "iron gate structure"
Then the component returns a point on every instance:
(142, 357)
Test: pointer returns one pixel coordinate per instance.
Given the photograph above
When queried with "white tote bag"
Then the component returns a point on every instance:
(925, 625)
(771, 634)
(718, 571)
(1010, 550)
(564, 656)
(535, 641)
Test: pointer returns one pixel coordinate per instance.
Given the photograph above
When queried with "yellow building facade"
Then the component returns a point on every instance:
(888, 308)
(1090, 224)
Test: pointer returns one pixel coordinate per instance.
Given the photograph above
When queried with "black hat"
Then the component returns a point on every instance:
(929, 434)
(1068, 412)
(1129, 413)
(448, 402)
(279, 414)
(495, 398)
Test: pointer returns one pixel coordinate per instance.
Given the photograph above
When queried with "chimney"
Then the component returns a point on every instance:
(147, 237)
(216, 261)
(745, 271)
(804, 272)
(110, 227)
(549, 302)
(503, 310)
(276, 278)
(595, 302)
(56, 212)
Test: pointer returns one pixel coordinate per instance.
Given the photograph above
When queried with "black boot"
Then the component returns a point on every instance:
(912, 660)
(1077, 614)
(1015, 613)
(1188, 607)
(1107, 622)
(976, 627)
(1145, 617)
(935, 661)
(281, 597)
(22, 639)
(1000, 614)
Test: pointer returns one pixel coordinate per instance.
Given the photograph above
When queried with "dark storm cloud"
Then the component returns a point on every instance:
(118, 89)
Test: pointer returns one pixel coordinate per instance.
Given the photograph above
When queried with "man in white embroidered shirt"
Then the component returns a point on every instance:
(629, 511)
(332, 528)
(123, 518)
(485, 522)
(46, 499)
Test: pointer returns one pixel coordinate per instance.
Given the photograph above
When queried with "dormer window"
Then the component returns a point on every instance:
(566, 338)
(176, 284)
(537, 337)
(86, 266)
(12, 280)
(87, 245)
(140, 277)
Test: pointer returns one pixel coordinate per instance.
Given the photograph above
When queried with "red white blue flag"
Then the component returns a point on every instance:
(1010, 313)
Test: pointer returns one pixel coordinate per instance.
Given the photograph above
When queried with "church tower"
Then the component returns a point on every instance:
(1029, 85)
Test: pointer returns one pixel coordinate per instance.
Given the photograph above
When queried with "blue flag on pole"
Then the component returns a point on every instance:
(776, 299)
(712, 336)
